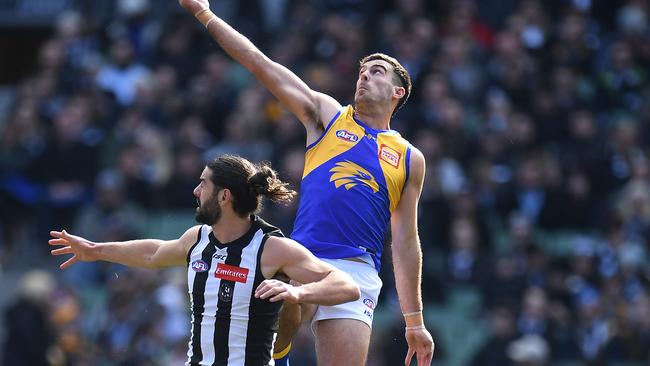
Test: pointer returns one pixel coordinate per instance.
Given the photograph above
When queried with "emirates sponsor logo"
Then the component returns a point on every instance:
(231, 273)
(390, 155)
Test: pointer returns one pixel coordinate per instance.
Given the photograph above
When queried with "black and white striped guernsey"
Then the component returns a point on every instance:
(230, 327)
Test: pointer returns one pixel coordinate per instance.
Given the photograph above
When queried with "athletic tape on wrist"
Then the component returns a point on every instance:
(412, 313)
(415, 327)
(205, 16)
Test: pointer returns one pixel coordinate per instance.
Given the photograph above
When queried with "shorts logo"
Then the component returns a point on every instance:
(390, 155)
(347, 136)
(231, 273)
(369, 303)
(200, 266)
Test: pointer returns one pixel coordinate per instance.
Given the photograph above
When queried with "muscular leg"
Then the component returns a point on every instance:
(289, 324)
(291, 316)
(342, 342)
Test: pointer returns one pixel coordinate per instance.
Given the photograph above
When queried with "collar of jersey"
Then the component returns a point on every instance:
(371, 130)
(242, 240)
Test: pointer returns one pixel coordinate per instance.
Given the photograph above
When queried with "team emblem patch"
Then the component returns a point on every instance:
(231, 273)
(225, 291)
(347, 136)
(390, 155)
(200, 266)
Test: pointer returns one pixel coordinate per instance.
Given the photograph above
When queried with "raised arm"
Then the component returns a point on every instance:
(146, 253)
(322, 283)
(312, 108)
(407, 262)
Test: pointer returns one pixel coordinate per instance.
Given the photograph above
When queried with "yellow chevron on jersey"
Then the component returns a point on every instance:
(334, 140)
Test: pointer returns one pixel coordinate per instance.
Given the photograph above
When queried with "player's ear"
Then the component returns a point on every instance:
(399, 92)
(224, 196)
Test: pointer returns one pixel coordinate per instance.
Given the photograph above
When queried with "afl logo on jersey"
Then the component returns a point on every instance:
(349, 174)
(390, 155)
(347, 136)
(199, 266)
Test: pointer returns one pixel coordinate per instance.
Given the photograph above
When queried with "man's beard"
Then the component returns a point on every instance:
(209, 214)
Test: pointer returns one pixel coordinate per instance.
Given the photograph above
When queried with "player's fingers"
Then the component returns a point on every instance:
(56, 234)
(424, 358)
(69, 236)
(428, 358)
(409, 356)
(264, 287)
(66, 250)
(69, 262)
(270, 292)
(279, 297)
(57, 242)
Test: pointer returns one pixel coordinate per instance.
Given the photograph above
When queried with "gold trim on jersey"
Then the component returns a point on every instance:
(391, 150)
(329, 146)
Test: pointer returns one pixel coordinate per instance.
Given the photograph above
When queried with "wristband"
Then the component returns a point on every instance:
(415, 327)
(413, 319)
(205, 16)
(413, 313)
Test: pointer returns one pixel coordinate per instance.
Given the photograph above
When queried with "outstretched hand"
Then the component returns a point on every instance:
(80, 248)
(275, 290)
(420, 344)
(194, 6)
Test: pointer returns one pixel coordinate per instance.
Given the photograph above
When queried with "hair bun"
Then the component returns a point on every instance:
(261, 181)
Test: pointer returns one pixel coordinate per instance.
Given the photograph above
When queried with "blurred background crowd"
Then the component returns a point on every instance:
(533, 116)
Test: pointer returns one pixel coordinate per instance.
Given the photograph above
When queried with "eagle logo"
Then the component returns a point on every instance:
(349, 174)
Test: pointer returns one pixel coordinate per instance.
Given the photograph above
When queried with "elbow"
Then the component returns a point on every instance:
(150, 263)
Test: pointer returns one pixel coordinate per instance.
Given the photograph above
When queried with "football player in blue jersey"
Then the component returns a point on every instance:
(360, 178)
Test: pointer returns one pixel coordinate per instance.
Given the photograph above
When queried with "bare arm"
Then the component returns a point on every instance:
(146, 253)
(407, 262)
(312, 108)
(322, 283)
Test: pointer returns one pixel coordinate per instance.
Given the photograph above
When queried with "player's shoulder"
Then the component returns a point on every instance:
(192, 233)
(267, 229)
(417, 156)
(417, 164)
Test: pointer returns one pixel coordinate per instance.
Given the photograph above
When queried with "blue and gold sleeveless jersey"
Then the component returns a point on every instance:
(353, 180)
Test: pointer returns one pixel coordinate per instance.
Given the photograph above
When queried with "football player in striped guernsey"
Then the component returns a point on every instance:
(238, 266)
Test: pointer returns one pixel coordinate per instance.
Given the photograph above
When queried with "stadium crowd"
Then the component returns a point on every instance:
(533, 116)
